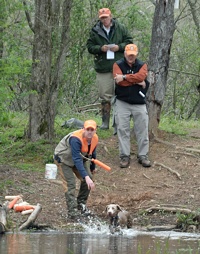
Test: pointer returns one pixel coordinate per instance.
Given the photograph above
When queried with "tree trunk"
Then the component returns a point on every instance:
(162, 35)
(49, 56)
(194, 6)
(41, 116)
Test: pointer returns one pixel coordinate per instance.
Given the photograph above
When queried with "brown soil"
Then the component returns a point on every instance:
(172, 181)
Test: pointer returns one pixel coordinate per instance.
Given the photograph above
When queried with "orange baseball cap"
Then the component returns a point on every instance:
(104, 12)
(131, 49)
(90, 124)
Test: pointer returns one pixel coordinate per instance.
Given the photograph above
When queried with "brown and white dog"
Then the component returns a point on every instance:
(119, 218)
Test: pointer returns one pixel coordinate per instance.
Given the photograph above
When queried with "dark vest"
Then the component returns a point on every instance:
(131, 94)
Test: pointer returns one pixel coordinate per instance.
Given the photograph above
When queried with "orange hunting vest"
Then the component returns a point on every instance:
(84, 148)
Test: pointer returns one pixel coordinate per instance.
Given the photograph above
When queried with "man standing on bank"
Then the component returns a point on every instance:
(107, 41)
(71, 164)
(130, 76)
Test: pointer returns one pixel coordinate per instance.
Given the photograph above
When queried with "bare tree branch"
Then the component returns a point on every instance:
(184, 72)
(28, 17)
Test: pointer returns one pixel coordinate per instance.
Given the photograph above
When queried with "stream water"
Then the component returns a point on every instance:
(94, 241)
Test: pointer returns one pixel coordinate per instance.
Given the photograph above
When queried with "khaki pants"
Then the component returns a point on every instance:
(123, 114)
(105, 84)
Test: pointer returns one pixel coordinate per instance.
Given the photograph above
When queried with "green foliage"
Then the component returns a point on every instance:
(184, 220)
(78, 82)
(13, 130)
(15, 63)
(4, 117)
(138, 20)
(182, 93)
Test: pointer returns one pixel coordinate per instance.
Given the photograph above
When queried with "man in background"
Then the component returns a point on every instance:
(107, 42)
(131, 86)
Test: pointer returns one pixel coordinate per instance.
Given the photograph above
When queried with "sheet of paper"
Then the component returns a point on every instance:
(110, 45)
(110, 54)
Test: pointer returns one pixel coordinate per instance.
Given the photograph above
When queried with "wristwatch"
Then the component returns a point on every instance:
(124, 77)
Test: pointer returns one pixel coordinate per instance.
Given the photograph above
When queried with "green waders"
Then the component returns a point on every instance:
(69, 182)
(105, 112)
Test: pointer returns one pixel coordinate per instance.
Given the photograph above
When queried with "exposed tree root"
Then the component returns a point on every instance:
(169, 169)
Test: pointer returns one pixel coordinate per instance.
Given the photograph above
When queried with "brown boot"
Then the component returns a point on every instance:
(105, 111)
(124, 162)
(144, 161)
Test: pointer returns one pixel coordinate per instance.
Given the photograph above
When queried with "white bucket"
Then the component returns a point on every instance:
(50, 171)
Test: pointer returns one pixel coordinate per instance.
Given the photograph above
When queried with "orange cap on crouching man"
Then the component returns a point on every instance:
(90, 124)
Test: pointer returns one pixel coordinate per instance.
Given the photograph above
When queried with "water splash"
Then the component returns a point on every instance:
(94, 225)
(97, 227)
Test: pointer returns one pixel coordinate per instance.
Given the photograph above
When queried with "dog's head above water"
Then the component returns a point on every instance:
(113, 210)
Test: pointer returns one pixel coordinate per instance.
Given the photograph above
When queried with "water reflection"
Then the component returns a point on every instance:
(102, 243)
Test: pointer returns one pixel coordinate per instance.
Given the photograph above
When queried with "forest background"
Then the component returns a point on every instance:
(47, 74)
(47, 77)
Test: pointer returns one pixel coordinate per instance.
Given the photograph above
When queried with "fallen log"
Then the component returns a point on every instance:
(161, 228)
(31, 219)
(169, 209)
(91, 106)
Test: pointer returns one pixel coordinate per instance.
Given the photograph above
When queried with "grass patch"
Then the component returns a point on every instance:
(5, 183)
(29, 167)
(179, 127)
(26, 182)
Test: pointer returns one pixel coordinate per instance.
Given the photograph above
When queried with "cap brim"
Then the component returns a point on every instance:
(90, 126)
(104, 16)
(131, 53)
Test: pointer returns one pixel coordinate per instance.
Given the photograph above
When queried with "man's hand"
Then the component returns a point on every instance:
(143, 84)
(104, 48)
(90, 183)
(118, 78)
(115, 48)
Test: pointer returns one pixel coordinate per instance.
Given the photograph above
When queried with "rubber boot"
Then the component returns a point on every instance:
(105, 111)
(72, 206)
(82, 198)
(83, 193)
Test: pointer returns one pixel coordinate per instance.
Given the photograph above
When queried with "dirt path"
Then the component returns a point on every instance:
(172, 181)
